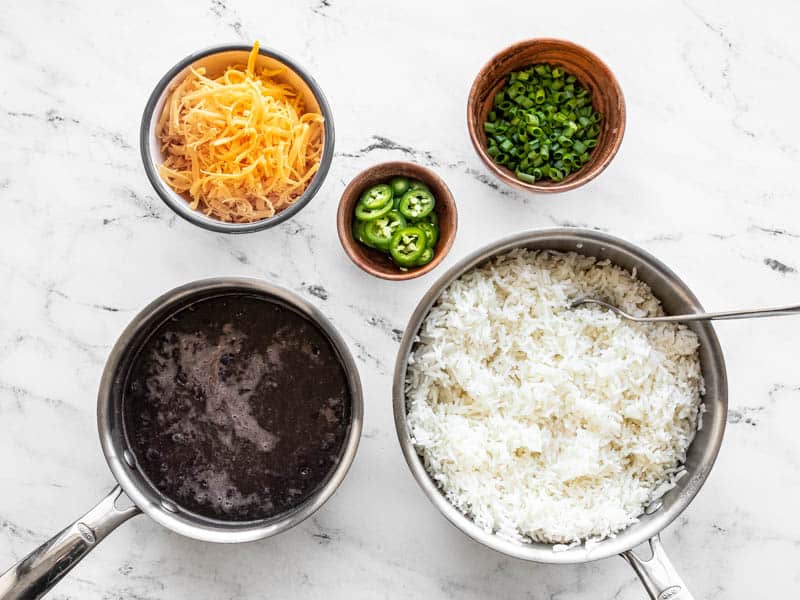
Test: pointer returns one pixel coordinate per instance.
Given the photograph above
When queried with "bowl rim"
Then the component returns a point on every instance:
(346, 236)
(502, 174)
(648, 526)
(178, 204)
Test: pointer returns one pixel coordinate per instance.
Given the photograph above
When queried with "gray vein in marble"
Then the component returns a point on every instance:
(730, 52)
(775, 231)
(426, 157)
(230, 247)
(152, 209)
(665, 237)
(781, 387)
(752, 229)
(58, 120)
(321, 7)
(119, 592)
(103, 307)
(496, 185)
(18, 339)
(750, 415)
(323, 534)
(379, 322)
(367, 357)
(230, 18)
(293, 227)
(23, 396)
(95, 352)
(745, 415)
(489, 182)
(779, 267)
(309, 235)
(382, 143)
(315, 290)
(130, 574)
(51, 291)
(719, 31)
(16, 531)
(569, 223)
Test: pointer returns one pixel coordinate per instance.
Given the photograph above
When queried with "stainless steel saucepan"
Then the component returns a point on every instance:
(35, 574)
(657, 573)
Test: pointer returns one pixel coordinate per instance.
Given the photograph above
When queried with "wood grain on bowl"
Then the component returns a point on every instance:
(591, 72)
(373, 261)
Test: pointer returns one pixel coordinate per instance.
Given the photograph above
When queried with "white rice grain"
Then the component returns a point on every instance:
(549, 424)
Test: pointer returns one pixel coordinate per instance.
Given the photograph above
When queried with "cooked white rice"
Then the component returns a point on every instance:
(549, 424)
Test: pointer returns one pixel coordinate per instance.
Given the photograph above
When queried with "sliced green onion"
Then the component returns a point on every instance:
(542, 124)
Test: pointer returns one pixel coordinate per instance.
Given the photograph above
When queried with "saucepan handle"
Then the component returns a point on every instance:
(657, 573)
(35, 574)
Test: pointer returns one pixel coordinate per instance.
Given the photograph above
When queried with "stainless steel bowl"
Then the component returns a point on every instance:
(45, 566)
(215, 60)
(676, 298)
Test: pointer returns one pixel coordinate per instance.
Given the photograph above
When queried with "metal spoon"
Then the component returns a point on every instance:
(753, 313)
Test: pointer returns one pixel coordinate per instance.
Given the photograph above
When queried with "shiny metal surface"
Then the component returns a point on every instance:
(45, 566)
(658, 576)
(35, 574)
(676, 298)
(109, 416)
(752, 313)
(216, 59)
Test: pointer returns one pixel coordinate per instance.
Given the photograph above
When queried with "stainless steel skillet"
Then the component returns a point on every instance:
(35, 574)
(657, 573)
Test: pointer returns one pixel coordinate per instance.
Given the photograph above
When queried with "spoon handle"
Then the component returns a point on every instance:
(754, 313)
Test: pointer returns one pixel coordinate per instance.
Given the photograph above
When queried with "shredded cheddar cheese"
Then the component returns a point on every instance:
(241, 145)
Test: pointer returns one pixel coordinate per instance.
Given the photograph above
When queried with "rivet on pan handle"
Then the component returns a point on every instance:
(35, 574)
(657, 573)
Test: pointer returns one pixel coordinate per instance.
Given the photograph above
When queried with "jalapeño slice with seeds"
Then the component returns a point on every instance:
(377, 196)
(407, 246)
(379, 231)
(416, 204)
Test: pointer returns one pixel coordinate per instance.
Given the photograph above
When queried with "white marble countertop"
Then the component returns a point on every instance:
(705, 180)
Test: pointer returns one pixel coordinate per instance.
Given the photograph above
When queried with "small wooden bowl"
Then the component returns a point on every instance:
(373, 261)
(592, 73)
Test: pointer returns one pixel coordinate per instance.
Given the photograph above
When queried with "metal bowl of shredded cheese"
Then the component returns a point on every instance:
(237, 138)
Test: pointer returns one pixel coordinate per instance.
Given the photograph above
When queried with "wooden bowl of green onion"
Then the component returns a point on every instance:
(546, 115)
